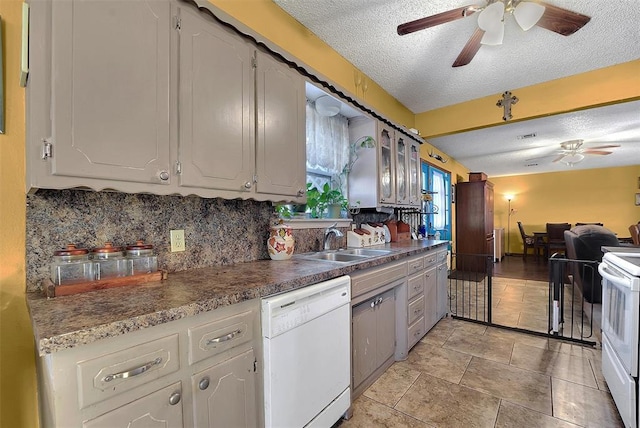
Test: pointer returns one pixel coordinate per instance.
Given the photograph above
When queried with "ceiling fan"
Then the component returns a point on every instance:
(573, 151)
(490, 29)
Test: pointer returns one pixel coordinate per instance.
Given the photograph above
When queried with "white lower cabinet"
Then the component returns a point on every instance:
(199, 371)
(224, 394)
(442, 293)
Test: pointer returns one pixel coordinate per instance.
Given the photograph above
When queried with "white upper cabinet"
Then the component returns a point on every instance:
(216, 105)
(155, 96)
(281, 140)
(387, 167)
(108, 91)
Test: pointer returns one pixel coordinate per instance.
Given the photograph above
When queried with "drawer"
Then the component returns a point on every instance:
(111, 374)
(442, 257)
(415, 332)
(416, 286)
(371, 279)
(212, 338)
(430, 260)
(415, 265)
(416, 309)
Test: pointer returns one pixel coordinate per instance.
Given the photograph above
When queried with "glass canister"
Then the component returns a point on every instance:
(109, 262)
(71, 265)
(141, 258)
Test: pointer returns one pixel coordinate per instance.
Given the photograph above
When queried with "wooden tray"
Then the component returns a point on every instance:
(52, 290)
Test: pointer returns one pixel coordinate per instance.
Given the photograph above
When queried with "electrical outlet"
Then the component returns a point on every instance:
(177, 240)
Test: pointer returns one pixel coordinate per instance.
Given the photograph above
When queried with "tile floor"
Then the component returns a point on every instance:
(464, 374)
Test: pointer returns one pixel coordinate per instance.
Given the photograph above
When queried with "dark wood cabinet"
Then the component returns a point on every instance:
(474, 225)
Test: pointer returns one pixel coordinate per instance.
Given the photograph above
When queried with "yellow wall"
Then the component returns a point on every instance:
(604, 195)
(18, 404)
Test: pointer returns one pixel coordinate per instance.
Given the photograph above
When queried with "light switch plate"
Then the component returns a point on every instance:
(177, 240)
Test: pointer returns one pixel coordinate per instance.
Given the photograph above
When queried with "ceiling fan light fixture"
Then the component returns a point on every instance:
(327, 106)
(494, 37)
(572, 159)
(528, 14)
(491, 22)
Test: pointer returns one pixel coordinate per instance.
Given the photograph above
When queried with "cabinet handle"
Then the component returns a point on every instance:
(248, 185)
(133, 372)
(300, 192)
(223, 338)
(379, 301)
(174, 398)
(204, 383)
(373, 304)
(164, 175)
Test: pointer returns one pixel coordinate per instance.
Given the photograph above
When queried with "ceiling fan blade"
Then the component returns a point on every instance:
(470, 49)
(433, 20)
(605, 146)
(596, 152)
(559, 158)
(561, 21)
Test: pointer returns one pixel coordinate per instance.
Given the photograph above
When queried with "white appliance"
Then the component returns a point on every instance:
(620, 331)
(306, 337)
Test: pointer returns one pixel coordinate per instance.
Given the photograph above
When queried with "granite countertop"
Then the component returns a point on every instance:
(69, 321)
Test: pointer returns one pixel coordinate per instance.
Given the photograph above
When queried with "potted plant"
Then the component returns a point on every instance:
(326, 199)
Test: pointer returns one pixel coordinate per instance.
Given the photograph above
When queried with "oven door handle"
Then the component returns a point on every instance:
(612, 275)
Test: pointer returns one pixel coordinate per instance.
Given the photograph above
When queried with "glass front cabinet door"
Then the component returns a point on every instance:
(414, 175)
(402, 194)
(387, 163)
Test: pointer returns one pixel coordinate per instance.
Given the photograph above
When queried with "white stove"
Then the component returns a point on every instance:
(621, 331)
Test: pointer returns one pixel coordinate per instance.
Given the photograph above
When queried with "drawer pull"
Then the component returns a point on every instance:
(223, 338)
(133, 372)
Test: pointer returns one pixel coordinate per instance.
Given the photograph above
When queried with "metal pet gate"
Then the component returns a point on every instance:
(475, 295)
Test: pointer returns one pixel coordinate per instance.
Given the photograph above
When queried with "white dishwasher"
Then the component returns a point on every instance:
(306, 337)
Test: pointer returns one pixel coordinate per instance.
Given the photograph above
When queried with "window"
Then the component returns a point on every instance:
(327, 148)
(438, 211)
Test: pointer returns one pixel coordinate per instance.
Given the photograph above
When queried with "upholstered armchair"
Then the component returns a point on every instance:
(584, 243)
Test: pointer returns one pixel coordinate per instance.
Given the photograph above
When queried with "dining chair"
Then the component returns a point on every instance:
(528, 241)
(555, 238)
(635, 234)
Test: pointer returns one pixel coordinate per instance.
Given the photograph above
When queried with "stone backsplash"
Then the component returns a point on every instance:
(217, 231)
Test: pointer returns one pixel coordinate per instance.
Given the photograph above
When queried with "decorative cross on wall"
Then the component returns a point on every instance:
(506, 102)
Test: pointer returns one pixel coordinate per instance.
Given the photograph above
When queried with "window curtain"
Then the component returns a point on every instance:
(327, 142)
(440, 200)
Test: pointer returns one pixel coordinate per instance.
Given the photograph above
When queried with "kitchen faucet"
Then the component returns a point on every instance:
(328, 232)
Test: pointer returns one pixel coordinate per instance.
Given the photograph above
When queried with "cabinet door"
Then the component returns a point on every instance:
(442, 289)
(415, 191)
(386, 168)
(281, 132)
(402, 181)
(110, 89)
(431, 298)
(386, 327)
(364, 341)
(225, 394)
(160, 409)
(216, 105)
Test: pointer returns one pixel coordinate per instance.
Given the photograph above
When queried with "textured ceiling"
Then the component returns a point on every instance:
(416, 70)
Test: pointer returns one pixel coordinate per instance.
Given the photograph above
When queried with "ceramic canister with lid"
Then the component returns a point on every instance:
(109, 262)
(141, 258)
(280, 243)
(71, 265)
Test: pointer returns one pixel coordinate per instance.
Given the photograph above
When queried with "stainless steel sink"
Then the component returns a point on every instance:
(335, 257)
(345, 256)
(367, 252)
